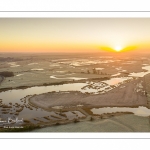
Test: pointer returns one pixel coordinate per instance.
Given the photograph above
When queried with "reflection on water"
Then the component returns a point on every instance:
(141, 74)
(140, 111)
(69, 78)
(33, 64)
(37, 69)
(16, 95)
(19, 75)
(15, 66)
(115, 81)
(99, 68)
(117, 74)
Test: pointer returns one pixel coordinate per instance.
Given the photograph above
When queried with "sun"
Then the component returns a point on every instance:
(118, 48)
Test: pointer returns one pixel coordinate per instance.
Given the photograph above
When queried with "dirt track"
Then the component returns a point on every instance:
(126, 96)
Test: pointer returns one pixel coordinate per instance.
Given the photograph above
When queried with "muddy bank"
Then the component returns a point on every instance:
(117, 97)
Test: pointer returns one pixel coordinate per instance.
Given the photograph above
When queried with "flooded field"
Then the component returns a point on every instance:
(55, 89)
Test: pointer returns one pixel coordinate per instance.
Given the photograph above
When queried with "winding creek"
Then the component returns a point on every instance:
(15, 95)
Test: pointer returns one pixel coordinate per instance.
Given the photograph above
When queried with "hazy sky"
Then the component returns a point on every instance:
(76, 34)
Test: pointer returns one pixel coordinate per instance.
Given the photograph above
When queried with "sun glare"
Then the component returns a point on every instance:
(118, 48)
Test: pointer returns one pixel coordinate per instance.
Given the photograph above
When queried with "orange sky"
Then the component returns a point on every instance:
(74, 34)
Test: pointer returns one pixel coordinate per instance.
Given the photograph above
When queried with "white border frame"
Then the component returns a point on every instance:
(76, 135)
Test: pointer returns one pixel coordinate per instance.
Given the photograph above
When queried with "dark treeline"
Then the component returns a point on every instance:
(6, 74)
(9, 59)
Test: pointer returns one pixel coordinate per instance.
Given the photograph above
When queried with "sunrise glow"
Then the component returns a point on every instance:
(118, 48)
(74, 34)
